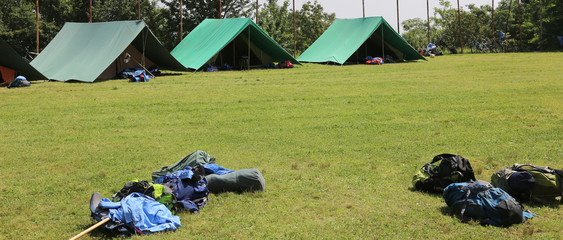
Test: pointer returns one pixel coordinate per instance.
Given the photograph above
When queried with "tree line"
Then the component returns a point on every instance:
(541, 24)
(275, 17)
(18, 19)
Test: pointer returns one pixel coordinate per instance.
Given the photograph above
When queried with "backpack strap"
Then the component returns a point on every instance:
(440, 157)
(466, 202)
(522, 167)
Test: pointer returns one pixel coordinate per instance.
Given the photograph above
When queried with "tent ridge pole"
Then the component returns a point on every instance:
(90, 10)
(294, 38)
(459, 20)
(398, 22)
(181, 23)
(428, 18)
(363, 8)
(37, 21)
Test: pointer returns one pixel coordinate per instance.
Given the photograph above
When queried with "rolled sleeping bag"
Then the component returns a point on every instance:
(244, 180)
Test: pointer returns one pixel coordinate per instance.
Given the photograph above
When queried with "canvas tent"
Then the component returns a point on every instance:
(98, 51)
(226, 41)
(351, 40)
(11, 63)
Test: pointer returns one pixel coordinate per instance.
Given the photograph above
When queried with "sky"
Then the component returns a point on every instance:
(386, 8)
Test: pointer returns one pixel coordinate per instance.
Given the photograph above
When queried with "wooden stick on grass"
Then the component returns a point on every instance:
(90, 229)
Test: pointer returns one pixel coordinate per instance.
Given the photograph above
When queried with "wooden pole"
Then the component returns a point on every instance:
(90, 10)
(294, 32)
(508, 18)
(493, 20)
(398, 23)
(257, 7)
(363, 8)
(181, 22)
(139, 9)
(520, 24)
(219, 9)
(459, 20)
(90, 229)
(428, 18)
(541, 23)
(37, 22)
(382, 42)
(248, 48)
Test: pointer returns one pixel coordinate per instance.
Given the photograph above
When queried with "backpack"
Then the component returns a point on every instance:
(162, 194)
(479, 200)
(19, 81)
(285, 64)
(189, 186)
(435, 177)
(528, 182)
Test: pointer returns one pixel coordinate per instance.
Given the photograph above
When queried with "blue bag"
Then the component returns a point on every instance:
(189, 186)
(480, 201)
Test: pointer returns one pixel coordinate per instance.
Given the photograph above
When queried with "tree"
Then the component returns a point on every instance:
(312, 21)
(276, 20)
(18, 24)
(194, 12)
(415, 32)
(476, 24)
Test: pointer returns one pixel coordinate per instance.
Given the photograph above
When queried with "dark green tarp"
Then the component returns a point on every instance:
(192, 160)
(351, 40)
(92, 51)
(11, 59)
(244, 180)
(225, 41)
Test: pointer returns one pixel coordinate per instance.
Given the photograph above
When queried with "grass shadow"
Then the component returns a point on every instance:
(447, 211)
(556, 204)
(170, 74)
(434, 194)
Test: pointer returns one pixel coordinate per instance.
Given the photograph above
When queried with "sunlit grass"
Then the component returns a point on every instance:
(337, 145)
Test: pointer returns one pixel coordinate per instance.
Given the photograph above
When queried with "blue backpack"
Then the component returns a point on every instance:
(189, 186)
(479, 200)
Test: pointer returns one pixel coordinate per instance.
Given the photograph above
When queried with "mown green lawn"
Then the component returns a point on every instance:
(337, 145)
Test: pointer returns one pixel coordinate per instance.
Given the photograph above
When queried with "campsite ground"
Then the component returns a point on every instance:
(337, 145)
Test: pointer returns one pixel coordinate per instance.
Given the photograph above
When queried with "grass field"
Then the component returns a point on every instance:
(337, 145)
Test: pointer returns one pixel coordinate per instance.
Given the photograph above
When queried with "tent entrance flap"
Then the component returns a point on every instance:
(373, 47)
(236, 49)
(130, 58)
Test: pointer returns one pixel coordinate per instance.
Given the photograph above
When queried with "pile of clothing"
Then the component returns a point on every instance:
(143, 206)
(139, 74)
(373, 60)
(280, 65)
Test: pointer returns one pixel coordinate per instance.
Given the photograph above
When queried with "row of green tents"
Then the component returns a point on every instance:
(88, 52)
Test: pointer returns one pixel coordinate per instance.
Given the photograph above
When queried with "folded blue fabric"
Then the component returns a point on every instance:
(186, 173)
(143, 212)
(212, 168)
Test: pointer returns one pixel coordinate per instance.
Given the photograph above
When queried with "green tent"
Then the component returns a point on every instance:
(351, 40)
(97, 51)
(11, 63)
(227, 41)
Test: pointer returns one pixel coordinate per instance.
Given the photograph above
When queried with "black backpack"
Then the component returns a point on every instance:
(528, 182)
(443, 170)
